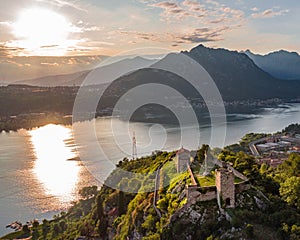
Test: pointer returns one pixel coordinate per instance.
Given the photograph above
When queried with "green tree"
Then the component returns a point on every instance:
(149, 223)
(88, 192)
(35, 229)
(290, 191)
(86, 229)
(35, 234)
(55, 230)
(102, 220)
(45, 228)
(63, 225)
(263, 168)
(121, 203)
(25, 228)
(162, 204)
(201, 152)
(249, 230)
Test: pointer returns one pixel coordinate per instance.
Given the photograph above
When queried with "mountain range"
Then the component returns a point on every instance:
(16, 68)
(102, 74)
(281, 64)
(235, 74)
(242, 84)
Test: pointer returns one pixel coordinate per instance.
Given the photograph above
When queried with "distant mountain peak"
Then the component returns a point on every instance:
(280, 64)
(284, 52)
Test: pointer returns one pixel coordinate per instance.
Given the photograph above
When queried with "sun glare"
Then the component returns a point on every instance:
(41, 30)
(52, 168)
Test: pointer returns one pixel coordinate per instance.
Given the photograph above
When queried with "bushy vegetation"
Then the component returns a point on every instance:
(292, 129)
(280, 185)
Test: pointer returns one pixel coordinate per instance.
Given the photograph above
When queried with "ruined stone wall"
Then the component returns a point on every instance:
(195, 194)
(240, 187)
(192, 175)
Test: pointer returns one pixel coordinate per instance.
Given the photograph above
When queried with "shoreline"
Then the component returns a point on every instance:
(36, 120)
(31, 121)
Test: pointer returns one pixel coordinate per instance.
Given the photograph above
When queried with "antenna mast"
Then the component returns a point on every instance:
(134, 151)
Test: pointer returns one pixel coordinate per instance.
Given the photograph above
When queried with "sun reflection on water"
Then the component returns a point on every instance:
(58, 176)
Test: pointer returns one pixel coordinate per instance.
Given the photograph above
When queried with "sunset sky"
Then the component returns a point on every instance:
(107, 27)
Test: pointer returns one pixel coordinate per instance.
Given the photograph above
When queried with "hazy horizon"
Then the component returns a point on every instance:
(18, 68)
(89, 27)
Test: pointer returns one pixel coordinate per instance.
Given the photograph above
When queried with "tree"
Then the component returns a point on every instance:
(162, 204)
(149, 223)
(103, 224)
(121, 203)
(45, 228)
(290, 191)
(201, 152)
(86, 229)
(263, 168)
(55, 230)
(88, 192)
(25, 228)
(35, 230)
(63, 226)
(249, 230)
(35, 234)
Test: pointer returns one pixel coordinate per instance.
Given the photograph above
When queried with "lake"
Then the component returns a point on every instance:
(41, 171)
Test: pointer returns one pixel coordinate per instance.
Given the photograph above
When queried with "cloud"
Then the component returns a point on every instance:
(11, 62)
(170, 10)
(215, 3)
(50, 64)
(140, 35)
(199, 35)
(217, 21)
(255, 9)
(207, 12)
(202, 35)
(62, 3)
(187, 16)
(190, 3)
(6, 24)
(166, 5)
(270, 13)
(50, 46)
(86, 27)
(6, 51)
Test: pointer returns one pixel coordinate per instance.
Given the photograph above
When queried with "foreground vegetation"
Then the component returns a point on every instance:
(113, 213)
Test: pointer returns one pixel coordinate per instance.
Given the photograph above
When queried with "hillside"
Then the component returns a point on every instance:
(17, 68)
(262, 211)
(281, 64)
(100, 75)
(56, 80)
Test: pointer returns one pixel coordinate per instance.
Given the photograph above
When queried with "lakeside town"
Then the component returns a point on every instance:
(274, 150)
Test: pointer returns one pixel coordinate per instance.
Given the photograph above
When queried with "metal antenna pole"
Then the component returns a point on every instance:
(134, 151)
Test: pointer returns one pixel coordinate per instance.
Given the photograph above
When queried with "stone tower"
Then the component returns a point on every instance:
(225, 187)
(183, 157)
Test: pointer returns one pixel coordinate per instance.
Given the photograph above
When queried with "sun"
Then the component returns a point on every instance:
(40, 29)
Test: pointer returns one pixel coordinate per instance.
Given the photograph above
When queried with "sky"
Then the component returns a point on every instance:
(109, 27)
